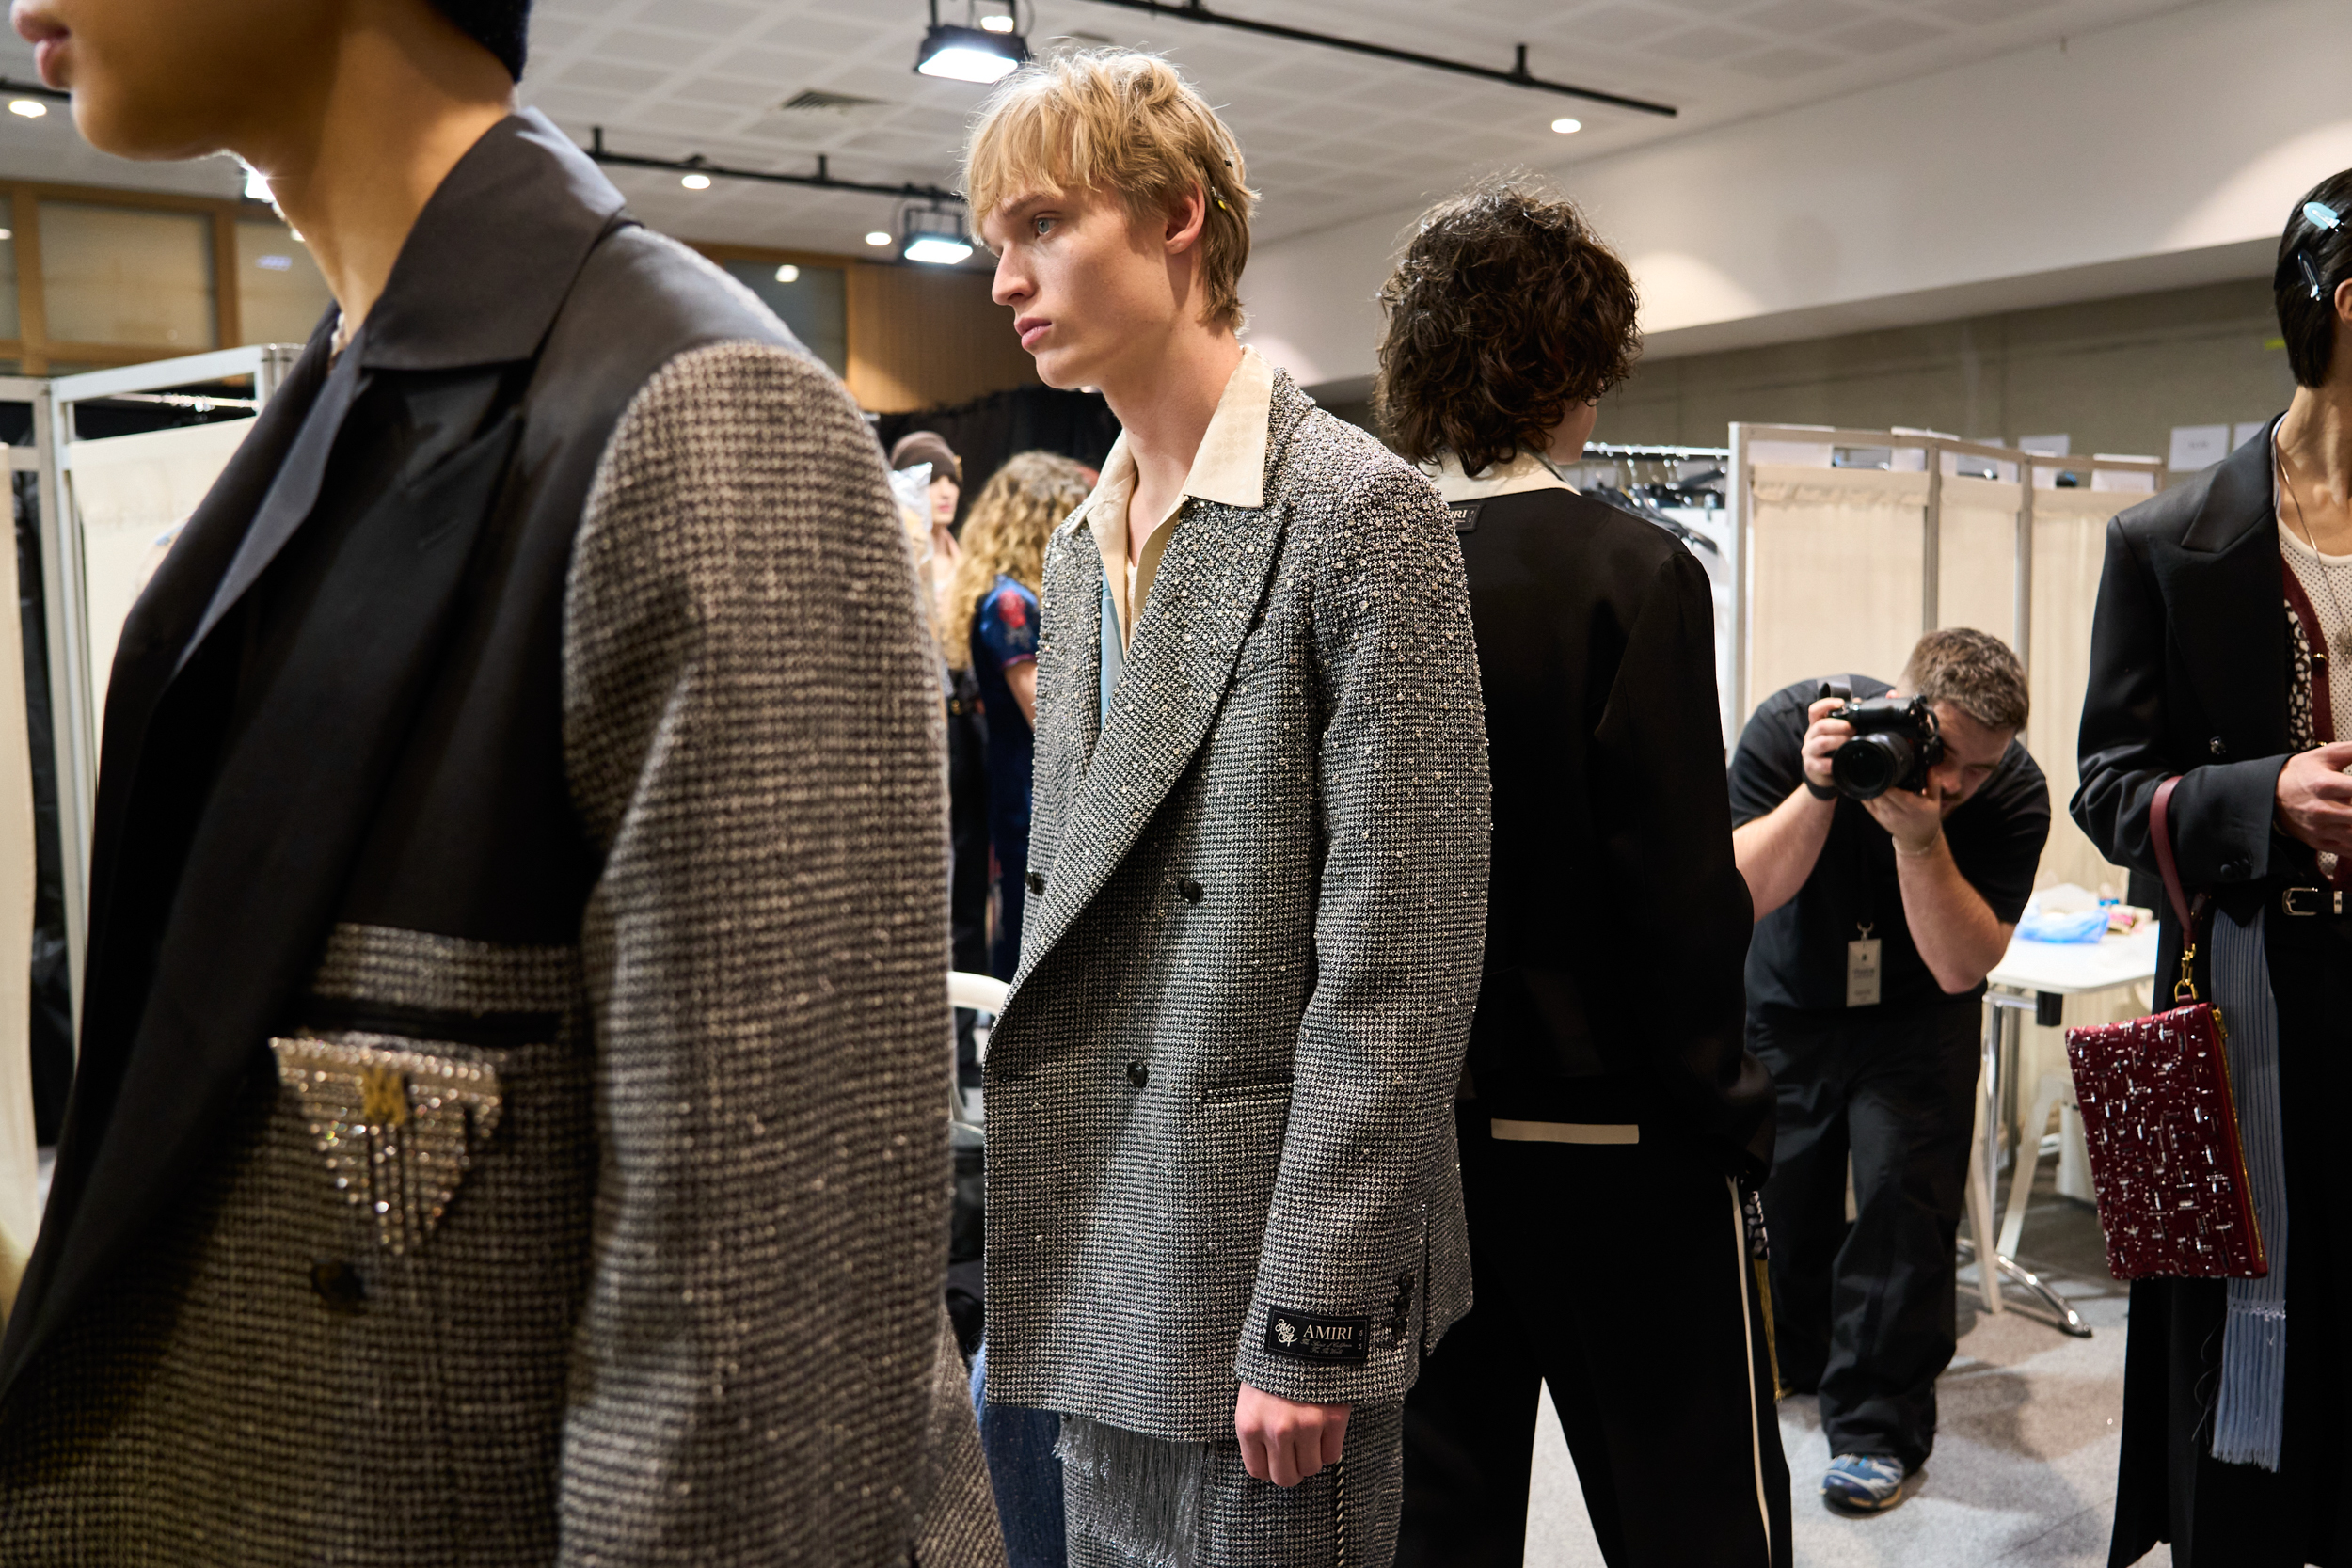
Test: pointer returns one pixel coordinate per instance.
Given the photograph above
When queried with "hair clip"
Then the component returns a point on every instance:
(2321, 215)
(2311, 273)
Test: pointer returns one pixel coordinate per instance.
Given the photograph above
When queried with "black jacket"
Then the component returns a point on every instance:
(2188, 676)
(1617, 922)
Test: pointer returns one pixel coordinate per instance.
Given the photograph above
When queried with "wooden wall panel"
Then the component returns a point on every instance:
(921, 337)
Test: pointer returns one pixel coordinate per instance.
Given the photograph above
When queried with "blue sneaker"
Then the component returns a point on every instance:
(1863, 1483)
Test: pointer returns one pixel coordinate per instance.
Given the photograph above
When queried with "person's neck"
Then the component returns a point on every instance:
(2315, 445)
(354, 161)
(1165, 409)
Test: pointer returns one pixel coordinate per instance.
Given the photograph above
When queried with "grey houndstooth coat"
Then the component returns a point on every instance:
(1220, 1126)
(509, 1126)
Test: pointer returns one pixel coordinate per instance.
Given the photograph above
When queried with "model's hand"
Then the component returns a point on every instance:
(1823, 737)
(1284, 1441)
(2316, 797)
(1915, 821)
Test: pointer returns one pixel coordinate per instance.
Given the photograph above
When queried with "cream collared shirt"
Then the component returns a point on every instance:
(1527, 471)
(1228, 469)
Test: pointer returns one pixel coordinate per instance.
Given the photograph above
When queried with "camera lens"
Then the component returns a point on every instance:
(1868, 766)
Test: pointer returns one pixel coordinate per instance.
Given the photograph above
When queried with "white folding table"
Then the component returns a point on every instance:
(2035, 976)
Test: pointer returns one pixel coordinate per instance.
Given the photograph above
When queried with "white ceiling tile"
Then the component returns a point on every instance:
(1883, 34)
(1780, 64)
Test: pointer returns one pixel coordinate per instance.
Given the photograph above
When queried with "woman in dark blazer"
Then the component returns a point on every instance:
(1608, 1060)
(2225, 609)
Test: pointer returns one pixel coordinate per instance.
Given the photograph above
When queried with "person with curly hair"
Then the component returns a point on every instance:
(1607, 1057)
(990, 628)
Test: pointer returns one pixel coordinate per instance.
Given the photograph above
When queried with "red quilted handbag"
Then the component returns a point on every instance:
(2157, 1114)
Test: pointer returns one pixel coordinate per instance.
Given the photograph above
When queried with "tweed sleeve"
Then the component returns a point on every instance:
(751, 730)
(1399, 929)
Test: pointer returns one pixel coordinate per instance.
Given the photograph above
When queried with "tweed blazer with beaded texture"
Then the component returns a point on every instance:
(1220, 1130)
(510, 1123)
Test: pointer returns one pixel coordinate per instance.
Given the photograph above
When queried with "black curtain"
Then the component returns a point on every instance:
(987, 430)
(52, 1017)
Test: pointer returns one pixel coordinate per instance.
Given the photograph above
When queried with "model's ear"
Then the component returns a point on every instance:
(1186, 215)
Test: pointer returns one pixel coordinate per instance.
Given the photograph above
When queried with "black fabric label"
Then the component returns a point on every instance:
(1466, 516)
(1309, 1336)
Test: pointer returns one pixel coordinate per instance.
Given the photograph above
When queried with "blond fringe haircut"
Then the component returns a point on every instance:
(1004, 536)
(1122, 121)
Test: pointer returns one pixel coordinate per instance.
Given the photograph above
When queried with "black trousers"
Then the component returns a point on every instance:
(1618, 1275)
(1864, 1312)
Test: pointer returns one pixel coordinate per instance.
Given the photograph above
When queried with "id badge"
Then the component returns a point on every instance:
(1862, 973)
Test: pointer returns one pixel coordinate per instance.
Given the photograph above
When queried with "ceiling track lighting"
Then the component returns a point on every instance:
(988, 53)
(933, 234)
(823, 179)
(1517, 76)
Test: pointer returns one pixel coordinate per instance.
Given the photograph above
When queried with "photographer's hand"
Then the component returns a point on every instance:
(1776, 853)
(2316, 797)
(1822, 738)
(1915, 821)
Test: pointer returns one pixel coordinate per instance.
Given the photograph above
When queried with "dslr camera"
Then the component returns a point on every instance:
(1895, 742)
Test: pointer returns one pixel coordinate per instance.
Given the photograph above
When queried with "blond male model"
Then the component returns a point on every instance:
(1224, 1217)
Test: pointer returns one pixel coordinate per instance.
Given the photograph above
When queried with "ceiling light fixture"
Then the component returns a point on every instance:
(877, 238)
(988, 53)
(933, 235)
(694, 182)
(257, 186)
(787, 274)
(1567, 127)
(31, 108)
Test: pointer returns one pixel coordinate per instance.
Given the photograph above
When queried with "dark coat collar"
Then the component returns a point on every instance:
(492, 255)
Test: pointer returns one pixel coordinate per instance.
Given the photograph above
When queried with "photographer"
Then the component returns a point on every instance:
(1877, 921)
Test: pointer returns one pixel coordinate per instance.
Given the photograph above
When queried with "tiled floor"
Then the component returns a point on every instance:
(2024, 1472)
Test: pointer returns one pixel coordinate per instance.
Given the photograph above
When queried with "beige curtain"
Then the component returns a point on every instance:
(128, 492)
(1836, 573)
(1975, 582)
(2069, 545)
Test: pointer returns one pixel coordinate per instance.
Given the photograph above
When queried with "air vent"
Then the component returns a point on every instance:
(813, 101)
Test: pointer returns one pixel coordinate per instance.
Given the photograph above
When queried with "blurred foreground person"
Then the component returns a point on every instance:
(1607, 1056)
(2221, 656)
(990, 629)
(1223, 1217)
(509, 1123)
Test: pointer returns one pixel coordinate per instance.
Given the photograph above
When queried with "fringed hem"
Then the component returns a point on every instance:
(1137, 1495)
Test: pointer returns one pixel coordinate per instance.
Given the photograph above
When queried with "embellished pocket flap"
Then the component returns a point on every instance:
(398, 1126)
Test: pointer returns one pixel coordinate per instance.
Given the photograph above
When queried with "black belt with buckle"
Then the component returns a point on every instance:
(2307, 903)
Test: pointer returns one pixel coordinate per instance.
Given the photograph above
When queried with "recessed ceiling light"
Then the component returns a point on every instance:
(31, 108)
(695, 182)
(787, 274)
(7, 233)
(878, 237)
(256, 185)
(1567, 127)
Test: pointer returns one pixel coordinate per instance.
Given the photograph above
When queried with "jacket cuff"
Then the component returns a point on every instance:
(1323, 1354)
(2222, 816)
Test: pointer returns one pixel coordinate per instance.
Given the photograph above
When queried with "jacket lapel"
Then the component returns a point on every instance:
(1212, 579)
(2228, 617)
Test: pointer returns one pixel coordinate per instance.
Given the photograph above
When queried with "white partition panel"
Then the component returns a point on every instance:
(1976, 547)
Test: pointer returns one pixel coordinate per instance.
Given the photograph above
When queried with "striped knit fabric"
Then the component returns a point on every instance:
(2252, 1410)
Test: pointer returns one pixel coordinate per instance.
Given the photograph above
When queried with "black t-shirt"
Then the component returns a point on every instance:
(1797, 962)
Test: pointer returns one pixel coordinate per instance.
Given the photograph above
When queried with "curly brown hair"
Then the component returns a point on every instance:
(1017, 509)
(1505, 312)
